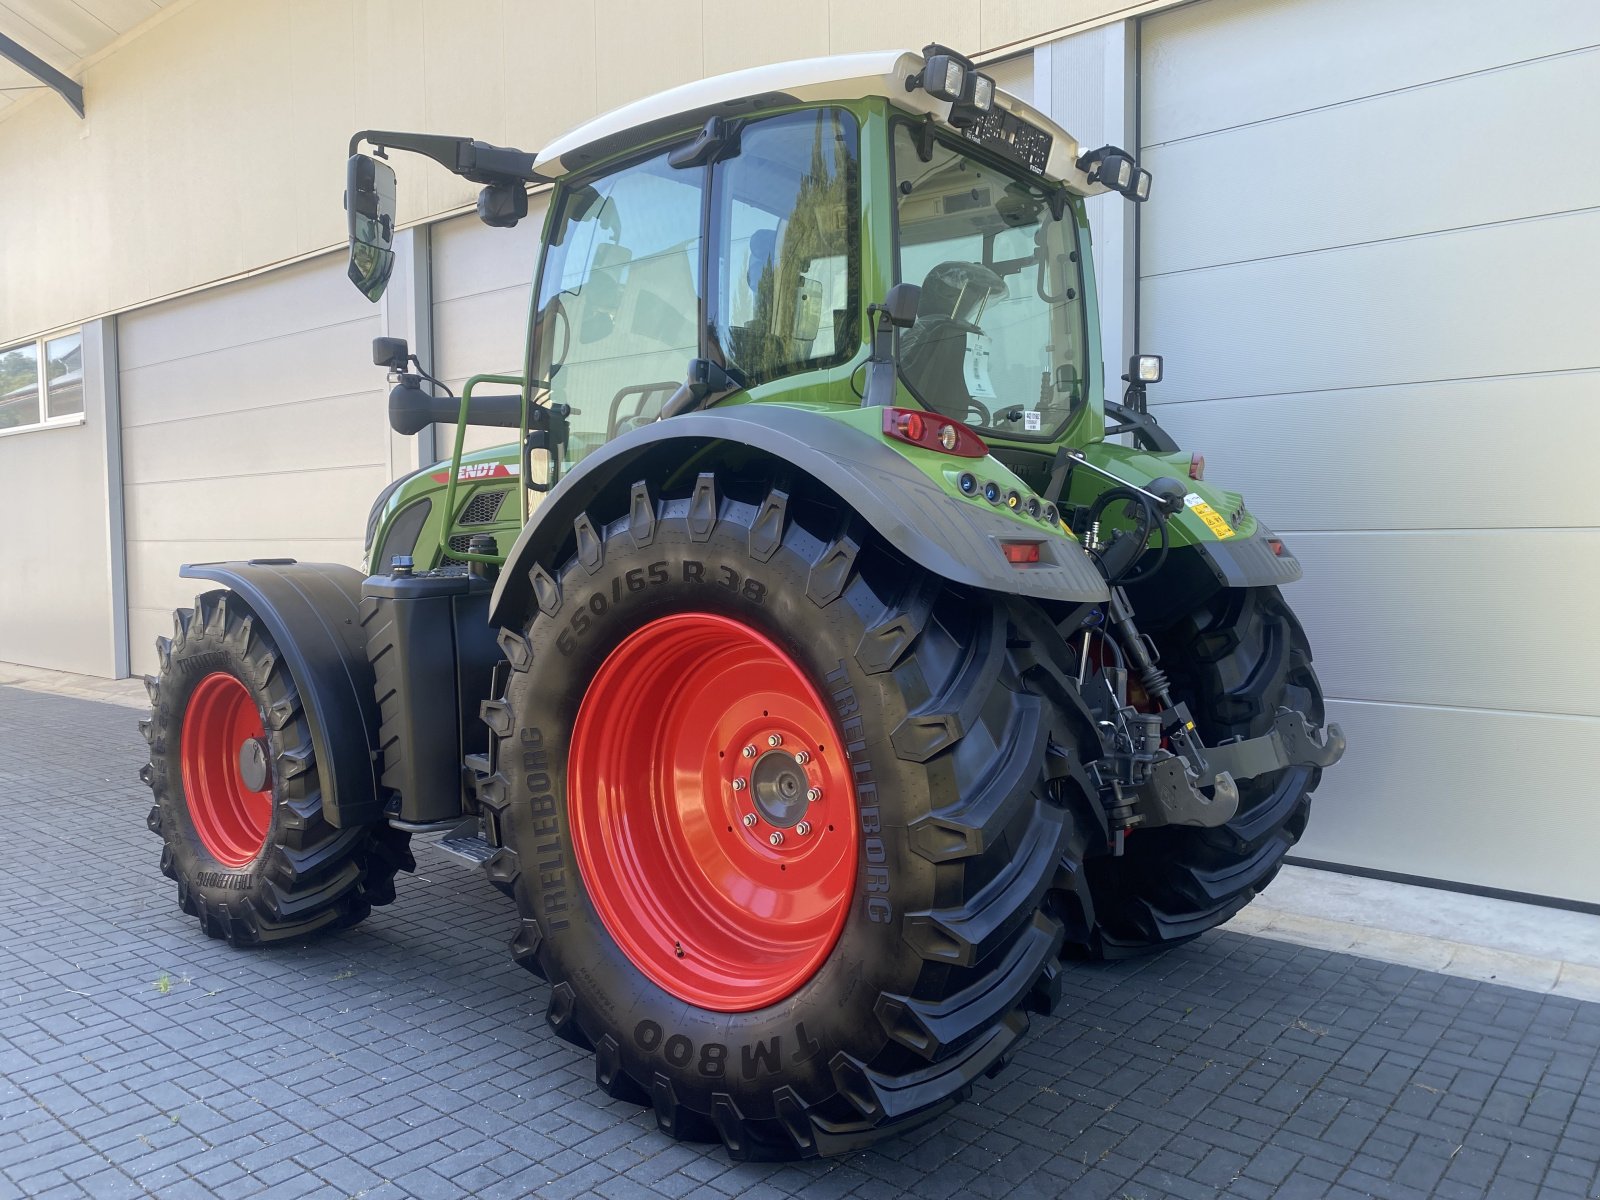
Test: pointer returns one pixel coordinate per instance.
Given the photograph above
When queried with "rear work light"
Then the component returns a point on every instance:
(930, 431)
(1020, 554)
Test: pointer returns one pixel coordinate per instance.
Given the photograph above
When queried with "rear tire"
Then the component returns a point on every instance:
(251, 864)
(1236, 660)
(941, 942)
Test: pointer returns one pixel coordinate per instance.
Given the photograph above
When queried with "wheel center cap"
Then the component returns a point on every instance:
(778, 787)
(253, 764)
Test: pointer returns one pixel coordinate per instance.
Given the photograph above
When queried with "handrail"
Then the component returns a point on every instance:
(455, 463)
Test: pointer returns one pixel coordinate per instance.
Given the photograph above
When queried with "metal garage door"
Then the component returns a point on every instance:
(252, 426)
(482, 284)
(1370, 261)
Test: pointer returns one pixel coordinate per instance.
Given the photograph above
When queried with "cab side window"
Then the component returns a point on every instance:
(619, 298)
(785, 245)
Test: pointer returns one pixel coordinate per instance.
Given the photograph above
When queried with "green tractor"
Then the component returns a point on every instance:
(847, 679)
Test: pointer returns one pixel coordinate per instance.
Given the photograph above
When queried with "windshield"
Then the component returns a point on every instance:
(999, 339)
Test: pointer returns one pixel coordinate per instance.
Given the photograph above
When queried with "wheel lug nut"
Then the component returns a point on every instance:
(749, 751)
(738, 785)
(803, 757)
(803, 828)
(775, 739)
(814, 795)
(749, 820)
(776, 839)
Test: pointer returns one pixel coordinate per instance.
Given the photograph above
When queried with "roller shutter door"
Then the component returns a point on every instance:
(253, 426)
(1370, 262)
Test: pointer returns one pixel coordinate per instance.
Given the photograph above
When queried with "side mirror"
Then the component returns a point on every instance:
(370, 210)
(901, 305)
(898, 311)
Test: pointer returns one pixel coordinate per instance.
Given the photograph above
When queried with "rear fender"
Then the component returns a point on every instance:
(954, 538)
(312, 611)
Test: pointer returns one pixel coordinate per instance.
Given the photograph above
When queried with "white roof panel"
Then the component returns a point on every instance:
(836, 77)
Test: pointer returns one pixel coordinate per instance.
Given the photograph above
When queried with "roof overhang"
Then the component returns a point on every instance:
(839, 77)
(69, 90)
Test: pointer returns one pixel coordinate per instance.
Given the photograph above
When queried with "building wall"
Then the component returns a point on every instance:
(1382, 333)
(215, 139)
(60, 602)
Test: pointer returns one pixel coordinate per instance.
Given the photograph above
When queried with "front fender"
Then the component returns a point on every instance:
(954, 538)
(312, 611)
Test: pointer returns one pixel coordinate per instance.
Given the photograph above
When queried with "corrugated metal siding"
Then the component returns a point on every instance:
(252, 426)
(482, 284)
(1369, 261)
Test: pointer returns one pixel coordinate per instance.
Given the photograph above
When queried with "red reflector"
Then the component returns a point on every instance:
(1020, 554)
(931, 431)
(1197, 466)
(1276, 546)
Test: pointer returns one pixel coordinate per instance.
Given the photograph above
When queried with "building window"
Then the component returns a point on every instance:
(41, 382)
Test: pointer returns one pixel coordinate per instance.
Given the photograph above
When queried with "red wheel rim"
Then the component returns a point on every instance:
(229, 816)
(694, 891)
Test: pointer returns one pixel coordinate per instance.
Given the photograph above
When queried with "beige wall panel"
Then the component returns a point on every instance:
(645, 46)
(740, 35)
(480, 335)
(1437, 792)
(1293, 176)
(302, 504)
(551, 68)
(1407, 457)
(903, 24)
(54, 609)
(323, 108)
(1480, 618)
(250, 312)
(289, 438)
(1496, 300)
(469, 257)
(319, 363)
(1224, 63)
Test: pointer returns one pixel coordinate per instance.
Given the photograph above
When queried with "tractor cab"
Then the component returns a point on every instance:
(724, 243)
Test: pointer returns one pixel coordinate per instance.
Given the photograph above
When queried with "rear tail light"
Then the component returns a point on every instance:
(1020, 554)
(931, 431)
(1197, 466)
(1277, 547)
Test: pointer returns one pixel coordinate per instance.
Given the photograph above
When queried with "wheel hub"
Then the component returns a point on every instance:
(253, 763)
(778, 787)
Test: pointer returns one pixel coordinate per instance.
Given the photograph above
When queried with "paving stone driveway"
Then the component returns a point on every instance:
(408, 1057)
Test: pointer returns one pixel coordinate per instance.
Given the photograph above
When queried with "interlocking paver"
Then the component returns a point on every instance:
(407, 1058)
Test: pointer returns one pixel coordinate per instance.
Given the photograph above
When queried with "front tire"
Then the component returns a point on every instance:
(1236, 660)
(812, 994)
(238, 804)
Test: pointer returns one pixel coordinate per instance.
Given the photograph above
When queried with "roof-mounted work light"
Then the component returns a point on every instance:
(949, 76)
(1114, 167)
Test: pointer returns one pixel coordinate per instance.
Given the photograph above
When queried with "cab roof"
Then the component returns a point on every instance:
(840, 77)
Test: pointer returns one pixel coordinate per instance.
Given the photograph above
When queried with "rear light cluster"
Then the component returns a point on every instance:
(931, 431)
(1021, 503)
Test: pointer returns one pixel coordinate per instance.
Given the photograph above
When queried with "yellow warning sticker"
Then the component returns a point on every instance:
(1213, 519)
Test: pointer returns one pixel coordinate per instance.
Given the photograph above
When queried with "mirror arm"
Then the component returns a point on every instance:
(473, 160)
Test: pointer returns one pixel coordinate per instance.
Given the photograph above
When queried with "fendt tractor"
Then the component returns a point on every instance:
(861, 665)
